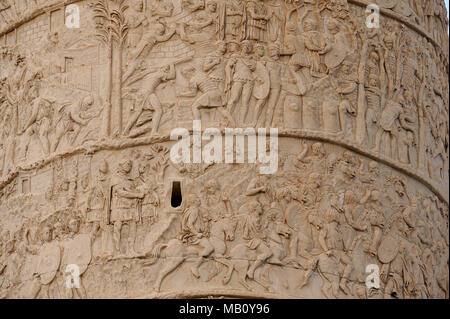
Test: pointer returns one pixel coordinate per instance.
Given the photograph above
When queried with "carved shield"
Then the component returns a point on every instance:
(388, 249)
(49, 260)
(403, 9)
(78, 252)
(388, 4)
(294, 216)
(335, 57)
(262, 82)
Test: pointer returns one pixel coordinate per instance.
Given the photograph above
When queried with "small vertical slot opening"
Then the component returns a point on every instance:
(177, 197)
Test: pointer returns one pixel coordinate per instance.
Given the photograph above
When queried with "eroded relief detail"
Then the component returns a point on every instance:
(86, 176)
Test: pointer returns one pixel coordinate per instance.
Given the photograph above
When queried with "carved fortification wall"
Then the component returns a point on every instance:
(86, 176)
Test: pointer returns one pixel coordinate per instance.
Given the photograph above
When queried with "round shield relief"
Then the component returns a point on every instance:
(388, 249)
(262, 82)
(49, 261)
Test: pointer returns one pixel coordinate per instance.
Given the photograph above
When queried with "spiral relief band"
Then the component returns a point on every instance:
(238, 148)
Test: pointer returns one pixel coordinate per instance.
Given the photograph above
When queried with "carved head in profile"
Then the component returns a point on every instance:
(291, 27)
(310, 25)
(188, 72)
(53, 38)
(375, 196)
(20, 61)
(255, 208)
(212, 187)
(274, 51)
(346, 67)
(247, 47)
(372, 80)
(193, 200)
(10, 246)
(399, 99)
(318, 150)
(159, 29)
(349, 159)
(331, 216)
(408, 96)
(400, 187)
(333, 26)
(416, 253)
(260, 50)
(314, 180)
(84, 182)
(59, 230)
(431, 51)
(5, 236)
(284, 193)
(211, 6)
(411, 53)
(332, 161)
(33, 93)
(125, 166)
(65, 185)
(414, 202)
(87, 102)
(221, 47)
(389, 41)
(233, 46)
(374, 168)
(374, 57)
(138, 5)
(46, 106)
(46, 234)
(104, 168)
(74, 225)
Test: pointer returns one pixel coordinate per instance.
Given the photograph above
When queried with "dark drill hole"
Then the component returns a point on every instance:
(177, 197)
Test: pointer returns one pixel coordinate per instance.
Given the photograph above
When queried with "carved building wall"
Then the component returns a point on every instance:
(86, 176)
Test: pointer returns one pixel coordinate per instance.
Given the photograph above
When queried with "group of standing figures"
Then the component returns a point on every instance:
(301, 65)
(296, 65)
(311, 68)
(322, 218)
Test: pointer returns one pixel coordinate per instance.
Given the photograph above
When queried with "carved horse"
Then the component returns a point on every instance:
(278, 231)
(330, 269)
(175, 252)
(242, 255)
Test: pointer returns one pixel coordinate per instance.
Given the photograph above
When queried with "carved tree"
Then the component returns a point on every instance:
(161, 161)
(112, 31)
(361, 128)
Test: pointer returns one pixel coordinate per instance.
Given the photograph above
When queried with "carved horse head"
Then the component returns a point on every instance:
(224, 228)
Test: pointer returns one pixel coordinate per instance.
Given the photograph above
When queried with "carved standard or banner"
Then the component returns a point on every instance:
(91, 92)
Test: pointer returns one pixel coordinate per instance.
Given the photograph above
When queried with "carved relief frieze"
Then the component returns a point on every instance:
(87, 176)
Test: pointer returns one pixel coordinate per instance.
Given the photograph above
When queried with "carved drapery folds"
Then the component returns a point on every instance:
(85, 119)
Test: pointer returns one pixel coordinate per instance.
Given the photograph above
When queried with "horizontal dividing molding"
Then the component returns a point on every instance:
(125, 143)
(361, 3)
(228, 293)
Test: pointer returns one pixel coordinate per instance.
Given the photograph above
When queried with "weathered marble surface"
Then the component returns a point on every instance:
(86, 176)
